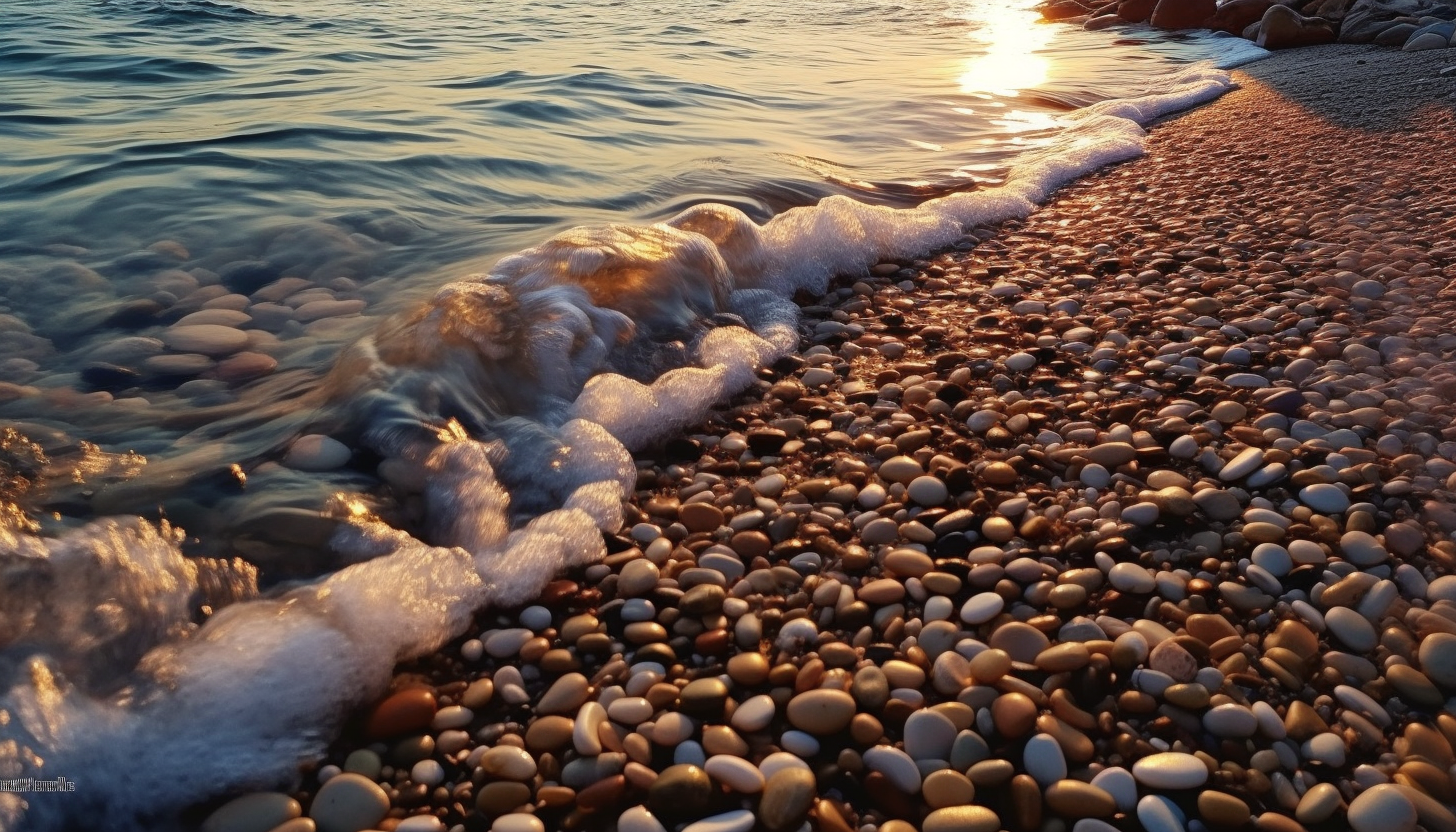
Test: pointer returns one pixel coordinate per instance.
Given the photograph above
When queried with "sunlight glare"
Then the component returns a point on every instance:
(1012, 35)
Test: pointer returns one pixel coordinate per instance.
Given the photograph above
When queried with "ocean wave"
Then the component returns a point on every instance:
(507, 404)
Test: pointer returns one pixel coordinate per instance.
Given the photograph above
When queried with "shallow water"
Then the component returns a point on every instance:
(301, 180)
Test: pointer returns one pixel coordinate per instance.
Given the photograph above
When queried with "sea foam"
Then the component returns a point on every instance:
(513, 400)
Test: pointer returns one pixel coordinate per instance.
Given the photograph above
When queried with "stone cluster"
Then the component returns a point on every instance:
(1102, 521)
(1412, 25)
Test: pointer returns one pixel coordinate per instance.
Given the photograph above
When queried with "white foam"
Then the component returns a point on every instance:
(261, 687)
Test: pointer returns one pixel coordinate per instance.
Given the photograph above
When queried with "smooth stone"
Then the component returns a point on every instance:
(1325, 748)
(1381, 808)
(961, 819)
(518, 822)
(1217, 504)
(207, 339)
(1324, 497)
(1141, 514)
(1230, 720)
(1119, 783)
(1075, 799)
(1110, 454)
(1245, 463)
(897, 767)
(1020, 362)
(901, 469)
(348, 803)
(680, 792)
(639, 819)
(947, 788)
(787, 798)
(928, 491)
(1318, 804)
(565, 696)
(1437, 656)
(929, 735)
(1352, 628)
(1362, 549)
(1170, 770)
(982, 607)
(1130, 577)
(427, 773)
(822, 711)
(736, 773)
(755, 713)
(1272, 558)
(700, 517)
(316, 452)
(508, 762)
(257, 812)
(739, 820)
(1044, 761)
(1169, 657)
(401, 713)
(1222, 811)
(1159, 814)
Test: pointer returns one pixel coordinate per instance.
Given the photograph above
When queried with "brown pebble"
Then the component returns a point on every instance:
(961, 819)
(700, 517)
(748, 669)
(821, 711)
(787, 798)
(1014, 715)
(1222, 810)
(401, 713)
(501, 796)
(1075, 799)
(947, 788)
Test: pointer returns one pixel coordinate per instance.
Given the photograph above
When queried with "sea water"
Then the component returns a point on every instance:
(492, 249)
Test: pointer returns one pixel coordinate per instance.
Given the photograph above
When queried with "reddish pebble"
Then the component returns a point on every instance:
(401, 713)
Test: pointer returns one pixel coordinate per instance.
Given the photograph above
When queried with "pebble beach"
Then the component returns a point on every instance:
(1131, 515)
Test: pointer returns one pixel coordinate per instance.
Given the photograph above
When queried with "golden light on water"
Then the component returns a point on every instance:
(1010, 38)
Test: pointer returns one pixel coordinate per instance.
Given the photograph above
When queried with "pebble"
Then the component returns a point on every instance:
(1245, 463)
(1170, 770)
(1362, 549)
(315, 452)
(787, 798)
(961, 819)
(205, 339)
(1437, 656)
(981, 608)
(1044, 761)
(821, 712)
(1157, 813)
(736, 773)
(1352, 628)
(1325, 498)
(929, 735)
(897, 767)
(257, 812)
(1381, 808)
(348, 802)
(738, 820)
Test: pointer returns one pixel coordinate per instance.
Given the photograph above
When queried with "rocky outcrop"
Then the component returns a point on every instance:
(1237, 15)
(1412, 25)
(1368, 18)
(1182, 14)
(1136, 11)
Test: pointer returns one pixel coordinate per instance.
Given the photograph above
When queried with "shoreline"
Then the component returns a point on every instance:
(1004, 278)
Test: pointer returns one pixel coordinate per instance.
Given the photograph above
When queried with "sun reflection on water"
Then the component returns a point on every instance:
(1011, 36)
